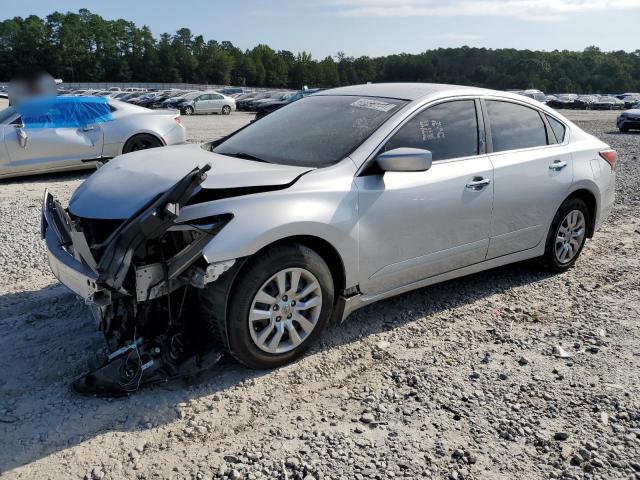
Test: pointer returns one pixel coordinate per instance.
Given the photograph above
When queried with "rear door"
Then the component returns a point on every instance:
(533, 173)
(217, 102)
(414, 225)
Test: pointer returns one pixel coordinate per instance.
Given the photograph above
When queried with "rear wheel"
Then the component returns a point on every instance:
(567, 235)
(278, 306)
(142, 141)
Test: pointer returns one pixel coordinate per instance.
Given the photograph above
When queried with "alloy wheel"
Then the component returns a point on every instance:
(570, 236)
(285, 310)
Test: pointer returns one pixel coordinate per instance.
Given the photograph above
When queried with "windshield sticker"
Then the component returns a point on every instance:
(373, 104)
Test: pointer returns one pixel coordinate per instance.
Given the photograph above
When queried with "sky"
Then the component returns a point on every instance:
(375, 27)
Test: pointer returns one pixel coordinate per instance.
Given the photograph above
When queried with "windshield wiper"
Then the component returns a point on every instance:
(246, 156)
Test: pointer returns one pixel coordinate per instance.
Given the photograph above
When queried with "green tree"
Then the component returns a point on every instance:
(84, 46)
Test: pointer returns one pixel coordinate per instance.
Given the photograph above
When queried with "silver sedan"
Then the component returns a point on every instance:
(71, 133)
(338, 200)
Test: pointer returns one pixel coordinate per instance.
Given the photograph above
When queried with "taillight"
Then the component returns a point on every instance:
(611, 157)
(177, 119)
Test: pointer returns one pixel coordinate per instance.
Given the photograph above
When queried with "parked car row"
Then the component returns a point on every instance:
(531, 93)
(188, 102)
(592, 102)
(267, 106)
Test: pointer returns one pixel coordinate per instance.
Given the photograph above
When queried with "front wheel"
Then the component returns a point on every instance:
(226, 110)
(188, 111)
(279, 305)
(567, 235)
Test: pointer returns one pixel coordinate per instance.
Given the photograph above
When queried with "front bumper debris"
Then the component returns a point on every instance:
(144, 363)
(95, 280)
(65, 260)
(113, 277)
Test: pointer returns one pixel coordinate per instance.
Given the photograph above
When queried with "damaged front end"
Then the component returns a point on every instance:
(136, 275)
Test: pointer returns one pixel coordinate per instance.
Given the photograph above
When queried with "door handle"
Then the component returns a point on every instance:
(478, 183)
(88, 128)
(557, 165)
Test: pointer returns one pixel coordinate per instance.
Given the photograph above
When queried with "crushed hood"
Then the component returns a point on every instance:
(129, 182)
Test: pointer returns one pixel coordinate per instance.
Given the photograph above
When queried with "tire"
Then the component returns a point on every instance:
(257, 277)
(142, 141)
(624, 130)
(554, 259)
(188, 111)
(226, 110)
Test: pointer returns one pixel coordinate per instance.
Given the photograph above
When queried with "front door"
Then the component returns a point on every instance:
(414, 225)
(201, 104)
(50, 147)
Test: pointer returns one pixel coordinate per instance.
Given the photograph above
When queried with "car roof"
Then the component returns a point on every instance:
(404, 91)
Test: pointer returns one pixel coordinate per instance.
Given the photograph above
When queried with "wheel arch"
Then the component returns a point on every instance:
(323, 248)
(588, 197)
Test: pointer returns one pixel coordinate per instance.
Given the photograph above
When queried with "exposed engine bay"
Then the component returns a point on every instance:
(140, 278)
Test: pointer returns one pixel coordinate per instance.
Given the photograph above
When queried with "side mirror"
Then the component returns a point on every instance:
(405, 160)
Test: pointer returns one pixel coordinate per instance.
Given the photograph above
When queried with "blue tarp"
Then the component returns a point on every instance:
(64, 112)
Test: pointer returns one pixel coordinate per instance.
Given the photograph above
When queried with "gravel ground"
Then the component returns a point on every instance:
(462, 380)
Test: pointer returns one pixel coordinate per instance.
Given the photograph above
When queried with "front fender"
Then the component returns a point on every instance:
(262, 219)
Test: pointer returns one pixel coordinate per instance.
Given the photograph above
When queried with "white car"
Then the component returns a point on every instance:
(71, 133)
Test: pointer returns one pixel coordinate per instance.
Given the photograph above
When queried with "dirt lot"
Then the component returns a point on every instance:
(455, 381)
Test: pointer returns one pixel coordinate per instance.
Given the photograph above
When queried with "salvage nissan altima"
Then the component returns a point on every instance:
(253, 244)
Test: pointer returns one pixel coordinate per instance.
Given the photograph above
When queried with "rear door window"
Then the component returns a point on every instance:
(558, 128)
(515, 126)
(447, 130)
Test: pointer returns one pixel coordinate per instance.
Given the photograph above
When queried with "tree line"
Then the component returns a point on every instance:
(85, 47)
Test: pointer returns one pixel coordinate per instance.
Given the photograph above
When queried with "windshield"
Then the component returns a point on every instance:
(312, 132)
(6, 114)
(190, 96)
